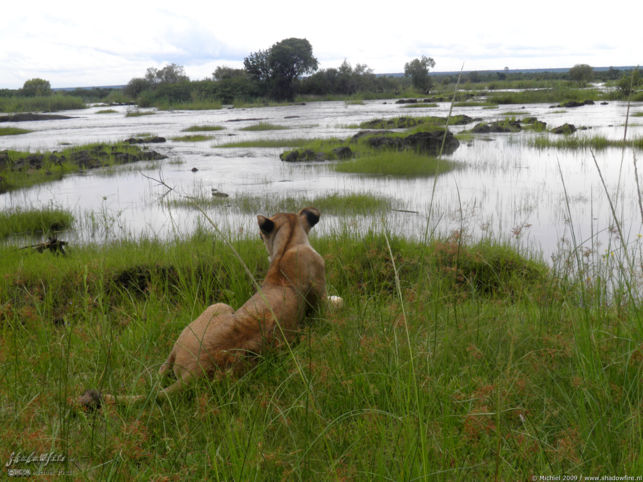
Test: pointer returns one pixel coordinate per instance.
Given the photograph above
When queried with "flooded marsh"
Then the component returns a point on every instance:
(504, 185)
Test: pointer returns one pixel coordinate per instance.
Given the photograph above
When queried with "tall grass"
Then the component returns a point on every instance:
(510, 376)
(594, 142)
(334, 204)
(388, 163)
(21, 222)
(50, 103)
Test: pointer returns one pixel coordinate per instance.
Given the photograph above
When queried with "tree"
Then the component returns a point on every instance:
(581, 73)
(629, 82)
(418, 71)
(36, 87)
(170, 74)
(135, 86)
(278, 67)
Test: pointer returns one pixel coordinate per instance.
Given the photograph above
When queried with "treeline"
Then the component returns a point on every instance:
(288, 69)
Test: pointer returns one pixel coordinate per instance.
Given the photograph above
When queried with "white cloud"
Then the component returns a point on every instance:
(71, 44)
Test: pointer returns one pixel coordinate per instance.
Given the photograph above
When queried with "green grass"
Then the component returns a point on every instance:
(203, 128)
(335, 204)
(192, 105)
(494, 365)
(637, 114)
(192, 138)
(403, 163)
(51, 103)
(13, 131)
(107, 111)
(420, 105)
(264, 126)
(296, 142)
(24, 169)
(559, 94)
(33, 221)
(594, 142)
(139, 113)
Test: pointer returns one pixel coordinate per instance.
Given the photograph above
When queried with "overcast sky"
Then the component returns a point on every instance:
(85, 43)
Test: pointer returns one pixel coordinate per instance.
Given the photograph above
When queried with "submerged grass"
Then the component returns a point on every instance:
(13, 131)
(203, 128)
(264, 126)
(594, 142)
(20, 222)
(389, 163)
(192, 138)
(513, 375)
(139, 113)
(334, 204)
(107, 111)
(295, 142)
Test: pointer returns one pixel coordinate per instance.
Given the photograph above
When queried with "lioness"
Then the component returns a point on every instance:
(294, 285)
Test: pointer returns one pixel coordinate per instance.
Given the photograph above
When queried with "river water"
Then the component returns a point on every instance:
(537, 200)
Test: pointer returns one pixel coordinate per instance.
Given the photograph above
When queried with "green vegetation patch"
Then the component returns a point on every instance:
(336, 204)
(203, 128)
(391, 163)
(408, 122)
(48, 103)
(33, 221)
(594, 142)
(295, 142)
(192, 138)
(107, 111)
(466, 350)
(264, 126)
(13, 131)
(420, 105)
(139, 113)
(24, 169)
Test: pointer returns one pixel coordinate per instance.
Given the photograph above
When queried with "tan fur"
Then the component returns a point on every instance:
(219, 337)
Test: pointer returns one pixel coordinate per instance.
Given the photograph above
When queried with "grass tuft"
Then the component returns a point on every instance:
(203, 128)
(403, 164)
(20, 222)
(264, 126)
(13, 131)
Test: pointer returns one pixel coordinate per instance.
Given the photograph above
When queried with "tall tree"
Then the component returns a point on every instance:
(279, 66)
(418, 71)
(581, 73)
(36, 87)
(170, 74)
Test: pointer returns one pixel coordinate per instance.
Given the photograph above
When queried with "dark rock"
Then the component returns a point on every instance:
(604, 103)
(31, 117)
(497, 126)
(194, 169)
(343, 152)
(431, 142)
(145, 140)
(564, 129)
(361, 134)
(573, 103)
(388, 142)
(305, 155)
(406, 101)
(35, 160)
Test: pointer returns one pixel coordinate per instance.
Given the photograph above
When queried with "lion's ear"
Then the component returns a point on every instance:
(309, 217)
(265, 224)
